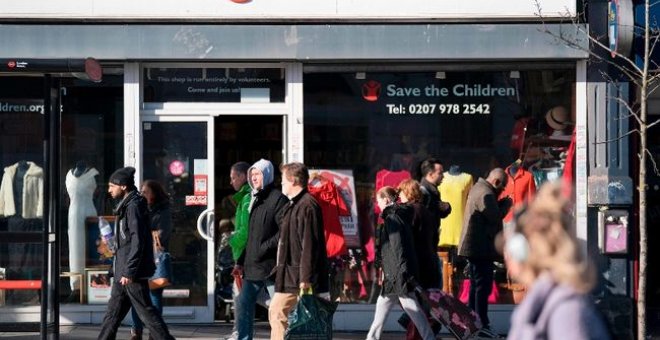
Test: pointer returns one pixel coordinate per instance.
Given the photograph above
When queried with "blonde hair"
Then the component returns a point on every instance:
(553, 247)
(411, 189)
(388, 192)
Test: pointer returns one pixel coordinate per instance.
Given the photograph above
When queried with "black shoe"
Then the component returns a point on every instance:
(487, 333)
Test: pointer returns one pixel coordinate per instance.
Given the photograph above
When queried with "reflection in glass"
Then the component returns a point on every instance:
(384, 125)
(174, 153)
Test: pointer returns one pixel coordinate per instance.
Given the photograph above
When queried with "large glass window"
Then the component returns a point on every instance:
(21, 189)
(91, 150)
(376, 125)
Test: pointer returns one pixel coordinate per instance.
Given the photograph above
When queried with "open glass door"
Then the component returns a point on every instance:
(175, 152)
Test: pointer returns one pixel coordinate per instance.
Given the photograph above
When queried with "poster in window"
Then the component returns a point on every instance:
(99, 286)
(345, 183)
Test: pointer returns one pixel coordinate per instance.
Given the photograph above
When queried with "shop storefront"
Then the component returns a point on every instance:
(372, 111)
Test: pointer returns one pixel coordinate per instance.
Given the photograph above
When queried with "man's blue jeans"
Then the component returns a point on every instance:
(245, 305)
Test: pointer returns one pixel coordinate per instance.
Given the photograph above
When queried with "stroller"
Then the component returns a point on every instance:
(224, 281)
(460, 320)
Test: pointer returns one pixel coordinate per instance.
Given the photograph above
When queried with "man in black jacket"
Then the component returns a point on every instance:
(133, 262)
(258, 259)
(432, 177)
(301, 255)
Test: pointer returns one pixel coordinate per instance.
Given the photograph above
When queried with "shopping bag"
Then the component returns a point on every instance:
(464, 294)
(163, 275)
(311, 318)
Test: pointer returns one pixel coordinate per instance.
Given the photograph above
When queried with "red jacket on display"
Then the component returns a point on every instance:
(569, 169)
(520, 187)
(386, 177)
(332, 206)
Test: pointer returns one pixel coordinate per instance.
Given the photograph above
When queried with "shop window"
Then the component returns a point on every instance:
(21, 190)
(92, 147)
(214, 85)
(366, 125)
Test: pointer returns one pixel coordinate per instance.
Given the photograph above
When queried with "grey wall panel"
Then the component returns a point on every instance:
(289, 42)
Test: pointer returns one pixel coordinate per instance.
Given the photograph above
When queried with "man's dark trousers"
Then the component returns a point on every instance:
(481, 285)
(136, 295)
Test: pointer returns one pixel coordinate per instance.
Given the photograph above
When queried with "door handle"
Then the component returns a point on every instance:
(209, 221)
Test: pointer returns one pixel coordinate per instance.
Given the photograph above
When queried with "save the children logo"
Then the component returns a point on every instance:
(371, 90)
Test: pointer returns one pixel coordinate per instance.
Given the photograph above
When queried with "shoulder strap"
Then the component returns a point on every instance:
(156, 236)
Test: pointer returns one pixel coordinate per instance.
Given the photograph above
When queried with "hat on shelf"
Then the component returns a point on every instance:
(558, 118)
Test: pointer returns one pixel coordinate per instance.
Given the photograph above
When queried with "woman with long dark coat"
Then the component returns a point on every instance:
(396, 253)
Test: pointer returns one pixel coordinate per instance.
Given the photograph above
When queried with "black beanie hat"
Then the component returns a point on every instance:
(123, 176)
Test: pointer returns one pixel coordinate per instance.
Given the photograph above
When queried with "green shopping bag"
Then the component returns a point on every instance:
(311, 319)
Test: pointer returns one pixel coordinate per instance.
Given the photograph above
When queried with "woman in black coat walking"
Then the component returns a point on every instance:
(160, 218)
(396, 253)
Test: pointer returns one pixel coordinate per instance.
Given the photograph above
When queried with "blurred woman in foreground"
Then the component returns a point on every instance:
(542, 253)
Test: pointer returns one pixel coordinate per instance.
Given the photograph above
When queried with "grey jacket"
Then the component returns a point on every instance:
(481, 223)
(551, 311)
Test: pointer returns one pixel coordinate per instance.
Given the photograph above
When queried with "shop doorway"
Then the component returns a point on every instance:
(191, 155)
(248, 139)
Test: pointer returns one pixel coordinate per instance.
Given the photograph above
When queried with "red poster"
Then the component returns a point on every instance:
(201, 185)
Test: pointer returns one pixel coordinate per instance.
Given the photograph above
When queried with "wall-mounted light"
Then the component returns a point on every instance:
(360, 75)
(514, 74)
(440, 75)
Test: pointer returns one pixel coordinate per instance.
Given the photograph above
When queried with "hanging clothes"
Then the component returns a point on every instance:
(569, 169)
(81, 193)
(386, 177)
(31, 192)
(454, 189)
(332, 206)
(520, 187)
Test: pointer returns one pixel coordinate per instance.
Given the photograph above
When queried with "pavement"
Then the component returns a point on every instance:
(220, 330)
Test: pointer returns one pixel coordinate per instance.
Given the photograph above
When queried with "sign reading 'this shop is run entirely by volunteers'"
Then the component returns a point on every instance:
(424, 95)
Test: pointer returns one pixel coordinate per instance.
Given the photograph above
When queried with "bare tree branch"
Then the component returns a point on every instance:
(655, 41)
(633, 78)
(618, 138)
(655, 165)
(652, 89)
(653, 124)
(633, 113)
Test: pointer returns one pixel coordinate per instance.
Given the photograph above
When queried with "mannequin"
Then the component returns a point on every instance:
(80, 185)
(19, 179)
(454, 189)
(21, 201)
(80, 168)
(21, 190)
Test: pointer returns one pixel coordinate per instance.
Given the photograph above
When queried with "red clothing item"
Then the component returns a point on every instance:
(520, 187)
(388, 178)
(332, 206)
(569, 170)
